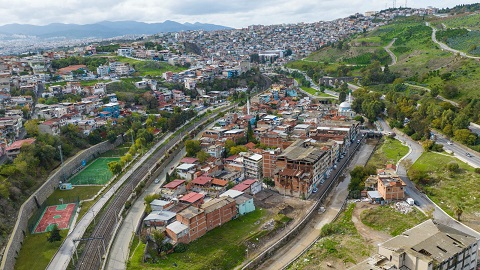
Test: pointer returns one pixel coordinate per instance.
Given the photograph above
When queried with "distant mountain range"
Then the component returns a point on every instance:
(105, 29)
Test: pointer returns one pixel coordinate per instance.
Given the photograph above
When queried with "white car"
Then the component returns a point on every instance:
(449, 143)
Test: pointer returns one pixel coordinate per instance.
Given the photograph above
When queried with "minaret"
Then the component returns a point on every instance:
(248, 106)
(350, 97)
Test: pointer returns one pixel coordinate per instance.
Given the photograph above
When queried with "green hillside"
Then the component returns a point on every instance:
(419, 59)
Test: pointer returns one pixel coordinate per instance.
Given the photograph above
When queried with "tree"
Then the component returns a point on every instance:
(54, 234)
(465, 136)
(450, 91)
(202, 156)
(250, 137)
(31, 126)
(458, 210)
(342, 96)
(192, 147)
(115, 167)
(111, 136)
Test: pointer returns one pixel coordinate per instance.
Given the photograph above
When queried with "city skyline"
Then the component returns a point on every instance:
(236, 15)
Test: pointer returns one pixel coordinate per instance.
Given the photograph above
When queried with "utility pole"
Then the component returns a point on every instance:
(61, 159)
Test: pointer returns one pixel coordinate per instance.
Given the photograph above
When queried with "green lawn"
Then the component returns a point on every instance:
(447, 189)
(81, 192)
(37, 252)
(150, 68)
(342, 245)
(390, 151)
(314, 92)
(221, 248)
(387, 219)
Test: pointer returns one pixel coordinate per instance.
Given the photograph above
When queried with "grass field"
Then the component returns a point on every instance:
(471, 21)
(37, 252)
(151, 68)
(96, 173)
(447, 189)
(314, 92)
(387, 219)
(390, 151)
(221, 248)
(81, 192)
(344, 246)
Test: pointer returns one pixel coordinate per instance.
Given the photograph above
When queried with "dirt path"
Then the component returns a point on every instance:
(392, 55)
(371, 236)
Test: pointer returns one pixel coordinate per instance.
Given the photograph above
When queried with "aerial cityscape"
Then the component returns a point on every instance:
(271, 135)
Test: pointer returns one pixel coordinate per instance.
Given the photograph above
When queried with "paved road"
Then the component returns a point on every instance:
(66, 250)
(444, 46)
(119, 251)
(392, 55)
(459, 150)
(423, 201)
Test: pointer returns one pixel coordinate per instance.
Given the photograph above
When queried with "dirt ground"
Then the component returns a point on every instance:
(275, 204)
(371, 236)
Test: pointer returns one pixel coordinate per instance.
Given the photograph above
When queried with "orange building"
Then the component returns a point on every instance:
(194, 219)
(391, 187)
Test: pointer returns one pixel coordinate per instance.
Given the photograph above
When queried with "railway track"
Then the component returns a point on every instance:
(95, 248)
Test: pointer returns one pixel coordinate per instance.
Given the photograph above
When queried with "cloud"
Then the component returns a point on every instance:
(230, 13)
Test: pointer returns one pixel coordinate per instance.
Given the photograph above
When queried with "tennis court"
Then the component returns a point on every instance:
(95, 173)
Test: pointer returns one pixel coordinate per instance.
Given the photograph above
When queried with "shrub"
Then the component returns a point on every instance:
(453, 166)
(180, 248)
(477, 170)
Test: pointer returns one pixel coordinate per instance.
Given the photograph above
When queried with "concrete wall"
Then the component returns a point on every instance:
(32, 204)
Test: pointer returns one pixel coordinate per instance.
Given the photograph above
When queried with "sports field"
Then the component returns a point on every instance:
(56, 214)
(95, 173)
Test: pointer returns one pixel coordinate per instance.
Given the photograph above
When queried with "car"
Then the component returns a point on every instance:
(468, 154)
(315, 190)
(358, 141)
(157, 181)
(450, 143)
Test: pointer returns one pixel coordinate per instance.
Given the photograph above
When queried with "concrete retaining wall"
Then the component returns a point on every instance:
(32, 204)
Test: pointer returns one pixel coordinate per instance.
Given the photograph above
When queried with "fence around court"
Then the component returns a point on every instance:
(35, 201)
(33, 221)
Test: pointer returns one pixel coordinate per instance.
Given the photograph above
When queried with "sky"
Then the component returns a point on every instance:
(236, 14)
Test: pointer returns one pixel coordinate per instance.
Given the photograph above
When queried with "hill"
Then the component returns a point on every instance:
(105, 29)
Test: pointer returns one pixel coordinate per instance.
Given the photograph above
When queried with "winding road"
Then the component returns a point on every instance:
(423, 201)
(444, 46)
(392, 55)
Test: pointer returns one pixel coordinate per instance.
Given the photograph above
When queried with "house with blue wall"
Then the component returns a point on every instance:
(245, 204)
(110, 110)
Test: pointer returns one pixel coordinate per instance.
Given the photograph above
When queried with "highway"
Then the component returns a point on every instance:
(460, 151)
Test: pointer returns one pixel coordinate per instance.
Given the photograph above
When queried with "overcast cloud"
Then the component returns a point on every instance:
(235, 14)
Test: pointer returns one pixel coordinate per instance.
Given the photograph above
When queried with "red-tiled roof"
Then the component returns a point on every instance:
(219, 182)
(20, 143)
(202, 180)
(249, 181)
(192, 197)
(189, 160)
(174, 184)
(241, 187)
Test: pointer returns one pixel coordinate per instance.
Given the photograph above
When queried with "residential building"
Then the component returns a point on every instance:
(245, 204)
(391, 187)
(250, 186)
(427, 246)
(194, 219)
(219, 211)
(268, 162)
(14, 149)
(301, 167)
(252, 164)
(178, 232)
(173, 189)
(193, 198)
(159, 218)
